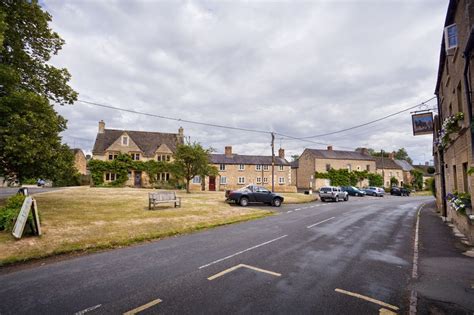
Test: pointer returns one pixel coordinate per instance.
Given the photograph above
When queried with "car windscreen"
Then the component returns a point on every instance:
(325, 189)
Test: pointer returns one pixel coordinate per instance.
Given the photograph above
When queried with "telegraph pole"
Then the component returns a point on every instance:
(273, 162)
(383, 173)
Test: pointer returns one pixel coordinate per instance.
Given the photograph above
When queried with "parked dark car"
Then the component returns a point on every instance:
(253, 194)
(353, 191)
(399, 191)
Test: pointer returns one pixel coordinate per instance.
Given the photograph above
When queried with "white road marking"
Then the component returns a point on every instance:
(242, 251)
(88, 309)
(312, 225)
(217, 275)
(414, 273)
(143, 307)
(298, 209)
(363, 297)
(289, 211)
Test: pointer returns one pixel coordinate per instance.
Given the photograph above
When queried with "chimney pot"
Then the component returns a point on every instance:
(228, 151)
(281, 153)
(329, 147)
(181, 135)
(101, 126)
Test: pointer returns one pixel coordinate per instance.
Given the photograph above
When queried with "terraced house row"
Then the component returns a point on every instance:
(237, 170)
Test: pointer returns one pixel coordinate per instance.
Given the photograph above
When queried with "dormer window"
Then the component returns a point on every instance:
(125, 140)
(451, 36)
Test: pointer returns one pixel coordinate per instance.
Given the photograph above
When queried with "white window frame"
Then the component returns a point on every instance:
(223, 180)
(265, 180)
(125, 141)
(259, 180)
(111, 177)
(447, 36)
(241, 180)
(281, 180)
(221, 167)
(197, 179)
(265, 167)
(241, 167)
(258, 167)
(281, 168)
(135, 156)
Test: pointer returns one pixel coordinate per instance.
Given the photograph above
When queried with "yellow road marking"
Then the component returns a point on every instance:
(217, 275)
(363, 297)
(143, 307)
(384, 311)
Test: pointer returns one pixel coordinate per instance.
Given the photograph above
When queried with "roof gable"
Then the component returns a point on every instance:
(118, 146)
(147, 142)
(386, 163)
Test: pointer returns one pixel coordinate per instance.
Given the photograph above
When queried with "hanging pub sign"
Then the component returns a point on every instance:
(422, 123)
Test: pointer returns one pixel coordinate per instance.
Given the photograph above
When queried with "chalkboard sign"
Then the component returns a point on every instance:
(22, 218)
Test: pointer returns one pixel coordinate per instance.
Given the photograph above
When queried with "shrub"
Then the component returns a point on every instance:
(10, 211)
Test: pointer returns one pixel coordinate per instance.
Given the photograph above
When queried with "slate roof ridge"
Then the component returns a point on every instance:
(387, 163)
(221, 158)
(340, 154)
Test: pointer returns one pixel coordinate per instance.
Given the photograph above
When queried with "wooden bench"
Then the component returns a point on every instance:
(158, 197)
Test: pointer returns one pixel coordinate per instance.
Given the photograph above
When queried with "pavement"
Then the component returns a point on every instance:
(446, 281)
(354, 257)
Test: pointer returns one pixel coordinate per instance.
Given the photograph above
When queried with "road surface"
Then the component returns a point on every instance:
(327, 258)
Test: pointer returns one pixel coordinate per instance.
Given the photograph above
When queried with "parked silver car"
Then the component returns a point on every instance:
(333, 193)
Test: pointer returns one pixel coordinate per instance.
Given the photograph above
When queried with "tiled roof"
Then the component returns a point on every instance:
(295, 164)
(340, 155)
(246, 159)
(386, 163)
(147, 141)
(405, 165)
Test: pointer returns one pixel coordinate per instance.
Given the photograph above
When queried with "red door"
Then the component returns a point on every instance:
(212, 183)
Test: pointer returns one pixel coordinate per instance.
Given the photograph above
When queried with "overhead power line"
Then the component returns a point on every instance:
(288, 137)
(367, 123)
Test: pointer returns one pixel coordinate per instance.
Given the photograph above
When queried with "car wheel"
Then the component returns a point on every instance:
(277, 202)
(244, 201)
(323, 200)
(336, 199)
(347, 198)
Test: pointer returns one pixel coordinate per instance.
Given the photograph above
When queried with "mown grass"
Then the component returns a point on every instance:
(90, 219)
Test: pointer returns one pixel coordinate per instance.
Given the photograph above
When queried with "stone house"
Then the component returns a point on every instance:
(453, 146)
(317, 160)
(407, 168)
(80, 161)
(388, 168)
(140, 145)
(237, 171)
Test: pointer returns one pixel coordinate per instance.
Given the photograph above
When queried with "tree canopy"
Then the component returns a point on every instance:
(192, 160)
(30, 145)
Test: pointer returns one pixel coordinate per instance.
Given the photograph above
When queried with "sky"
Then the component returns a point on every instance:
(296, 68)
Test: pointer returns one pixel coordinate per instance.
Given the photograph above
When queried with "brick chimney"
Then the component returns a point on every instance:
(391, 155)
(101, 126)
(228, 151)
(329, 147)
(363, 151)
(281, 153)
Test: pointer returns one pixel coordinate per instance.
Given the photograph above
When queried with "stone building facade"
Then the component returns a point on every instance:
(140, 145)
(80, 161)
(316, 160)
(453, 156)
(237, 171)
(388, 168)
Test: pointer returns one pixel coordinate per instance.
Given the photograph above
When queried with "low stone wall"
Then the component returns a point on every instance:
(278, 188)
(462, 223)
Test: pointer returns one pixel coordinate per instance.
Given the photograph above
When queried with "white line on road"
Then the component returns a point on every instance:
(298, 209)
(88, 309)
(289, 211)
(242, 251)
(414, 273)
(312, 225)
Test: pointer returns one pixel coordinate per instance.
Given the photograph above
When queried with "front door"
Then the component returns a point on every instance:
(138, 179)
(212, 183)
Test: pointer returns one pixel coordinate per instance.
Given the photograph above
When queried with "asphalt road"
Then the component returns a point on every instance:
(9, 191)
(327, 258)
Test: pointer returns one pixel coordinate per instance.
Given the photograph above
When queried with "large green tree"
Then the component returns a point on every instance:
(30, 145)
(192, 160)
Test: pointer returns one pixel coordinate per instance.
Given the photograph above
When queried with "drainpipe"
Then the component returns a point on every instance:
(441, 165)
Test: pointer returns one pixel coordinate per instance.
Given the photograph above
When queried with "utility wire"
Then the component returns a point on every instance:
(367, 123)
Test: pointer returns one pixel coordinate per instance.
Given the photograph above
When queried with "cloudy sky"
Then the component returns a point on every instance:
(296, 68)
